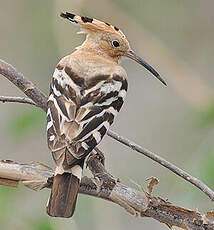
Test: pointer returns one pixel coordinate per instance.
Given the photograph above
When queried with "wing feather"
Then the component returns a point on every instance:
(80, 111)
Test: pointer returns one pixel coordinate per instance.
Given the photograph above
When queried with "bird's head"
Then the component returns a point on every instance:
(106, 39)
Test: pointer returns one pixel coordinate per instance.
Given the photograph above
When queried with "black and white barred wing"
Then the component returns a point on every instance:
(62, 107)
(100, 103)
(81, 111)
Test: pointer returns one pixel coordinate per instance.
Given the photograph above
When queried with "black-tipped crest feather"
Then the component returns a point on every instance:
(69, 16)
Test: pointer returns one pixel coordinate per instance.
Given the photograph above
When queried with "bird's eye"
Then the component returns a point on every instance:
(115, 43)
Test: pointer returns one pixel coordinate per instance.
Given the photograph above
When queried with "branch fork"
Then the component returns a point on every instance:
(38, 176)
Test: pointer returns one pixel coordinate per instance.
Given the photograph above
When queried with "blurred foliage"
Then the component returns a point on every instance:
(41, 224)
(25, 122)
(6, 195)
(84, 208)
(171, 10)
(206, 120)
(207, 169)
(206, 116)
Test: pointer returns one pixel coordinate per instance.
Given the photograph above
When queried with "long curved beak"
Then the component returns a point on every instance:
(131, 54)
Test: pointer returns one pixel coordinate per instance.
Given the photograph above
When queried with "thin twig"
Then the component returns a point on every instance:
(23, 100)
(40, 99)
(203, 187)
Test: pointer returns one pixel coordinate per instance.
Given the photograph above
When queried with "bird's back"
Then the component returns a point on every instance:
(84, 90)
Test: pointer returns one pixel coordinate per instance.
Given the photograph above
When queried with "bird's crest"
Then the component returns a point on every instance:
(112, 44)
(92, 25)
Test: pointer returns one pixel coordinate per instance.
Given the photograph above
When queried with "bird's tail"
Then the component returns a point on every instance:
(64, 193)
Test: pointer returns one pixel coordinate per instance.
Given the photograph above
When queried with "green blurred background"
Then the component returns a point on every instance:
(176, 37)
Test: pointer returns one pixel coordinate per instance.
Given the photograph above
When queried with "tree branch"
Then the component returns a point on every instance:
(23, 84)
(23, 100)
(40, 100)
(37, 176)
(203, 187)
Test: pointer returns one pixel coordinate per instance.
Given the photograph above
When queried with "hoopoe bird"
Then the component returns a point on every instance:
(87, 91)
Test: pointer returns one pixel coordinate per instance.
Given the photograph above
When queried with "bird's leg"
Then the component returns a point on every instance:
(98, 181)
(95, 162)
(100, 155)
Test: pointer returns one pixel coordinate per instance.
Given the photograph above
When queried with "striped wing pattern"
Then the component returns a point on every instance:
(80, 111)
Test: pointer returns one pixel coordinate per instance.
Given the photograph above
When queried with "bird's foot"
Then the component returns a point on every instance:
(98, 154)
(98, 182)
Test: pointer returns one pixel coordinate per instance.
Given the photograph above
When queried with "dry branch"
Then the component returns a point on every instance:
(23, 100)
(40, 100)
(37, 176)
(23, 84)
(203, 187)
